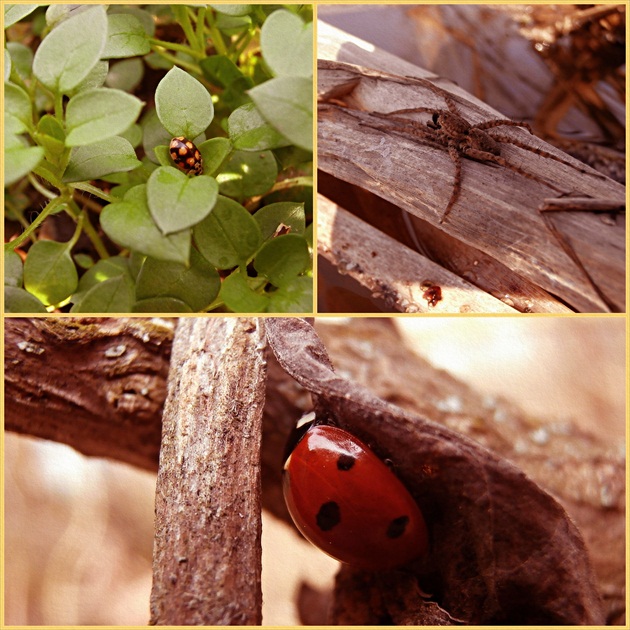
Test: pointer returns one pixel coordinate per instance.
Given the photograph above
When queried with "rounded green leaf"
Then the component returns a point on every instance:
(114, 155)
(295, 297)
(246, 174)
(78, 41)
(197, 285)
(214, 152)
(153, 135)
(98, 114)
(49, 272)
(272, 216)
(161, 305)
(287, 44)
(229, 236)
(18, 300)
(183, 105)
(115, 295)
(126, 75)
(129, 224)
(12, 269)
(15, 12)
(21, 60)
(176, 201)
(234, 10)
(287, 103)
(249, 131)
(95, 78)
(283, 258)
(126, 37)
(239, 297)
(17, 105)
(19, 160)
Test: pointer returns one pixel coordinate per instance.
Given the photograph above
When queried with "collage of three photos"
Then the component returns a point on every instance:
(314, 314)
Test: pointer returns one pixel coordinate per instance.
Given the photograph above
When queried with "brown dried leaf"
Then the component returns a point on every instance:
(502, 549)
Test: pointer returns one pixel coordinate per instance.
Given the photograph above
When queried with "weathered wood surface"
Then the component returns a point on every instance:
(400, 276)
(207, 556)
(497, 212)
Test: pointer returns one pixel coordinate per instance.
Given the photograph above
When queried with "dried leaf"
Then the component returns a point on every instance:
(502, 549)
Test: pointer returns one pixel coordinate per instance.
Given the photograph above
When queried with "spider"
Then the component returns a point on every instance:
(449, 129)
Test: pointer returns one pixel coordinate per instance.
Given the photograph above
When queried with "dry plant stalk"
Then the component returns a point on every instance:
(207, 553)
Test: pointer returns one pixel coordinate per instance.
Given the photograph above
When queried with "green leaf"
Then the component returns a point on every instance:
(115, 295)
(229, 236)
(49, 272)
(283, 258)
(233, 9)
(213, 152)
(79, 42)
(289, 213)
(95, 79)
(126, 75)
(18, 300)
(15, 12)
(144, 17)
(287, 44)
(21, 60)
(161, 305)
(197, 285)
(247, 174)
(176, 201)
(114, 155)
(126, 37)
(19, 160)
(104, 269)
(183, 105)
(129, 224)
(153, 135)
(249, 131)
(287, 103)
(98, 114)
(239, 297)
(295, 297)
(221, 70)
(12, 269)
(17, 105)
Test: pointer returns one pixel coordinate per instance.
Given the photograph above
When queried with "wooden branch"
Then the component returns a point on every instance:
(393, 272)
(207, 553)
(95, 384)
(497, 210)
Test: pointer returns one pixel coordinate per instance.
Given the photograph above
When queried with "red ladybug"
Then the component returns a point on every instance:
(348, 503)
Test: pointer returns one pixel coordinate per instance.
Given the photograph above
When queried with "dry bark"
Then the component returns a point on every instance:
(207, 553)
(69, 365)
(497, 211)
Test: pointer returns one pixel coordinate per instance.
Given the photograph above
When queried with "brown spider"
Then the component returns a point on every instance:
(448, 129)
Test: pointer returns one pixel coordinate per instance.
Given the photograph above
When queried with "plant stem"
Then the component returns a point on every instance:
(47, 211)
(177, 47)
(181, 14)
(93, 190)
(89, 230)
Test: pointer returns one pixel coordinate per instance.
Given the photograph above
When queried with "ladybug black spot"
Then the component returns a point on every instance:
(328, 516)
(397, 527)
(345, 461)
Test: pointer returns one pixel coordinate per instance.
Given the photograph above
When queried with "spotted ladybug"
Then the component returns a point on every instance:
(186, 155)
(347, 502)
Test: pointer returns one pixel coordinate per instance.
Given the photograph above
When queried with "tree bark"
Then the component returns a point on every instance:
(207, 551)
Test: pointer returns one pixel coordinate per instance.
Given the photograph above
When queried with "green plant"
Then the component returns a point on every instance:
(99, 217)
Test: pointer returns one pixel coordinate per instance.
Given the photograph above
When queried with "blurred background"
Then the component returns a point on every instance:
(78, 531)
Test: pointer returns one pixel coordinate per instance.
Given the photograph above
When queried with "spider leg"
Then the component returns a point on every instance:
(483, 156)
(411, 110)
(489, 124)
(546, 154)
(455, 157)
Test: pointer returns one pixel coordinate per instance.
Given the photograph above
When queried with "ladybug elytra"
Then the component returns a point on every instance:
(186, 155)
(347, 502)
